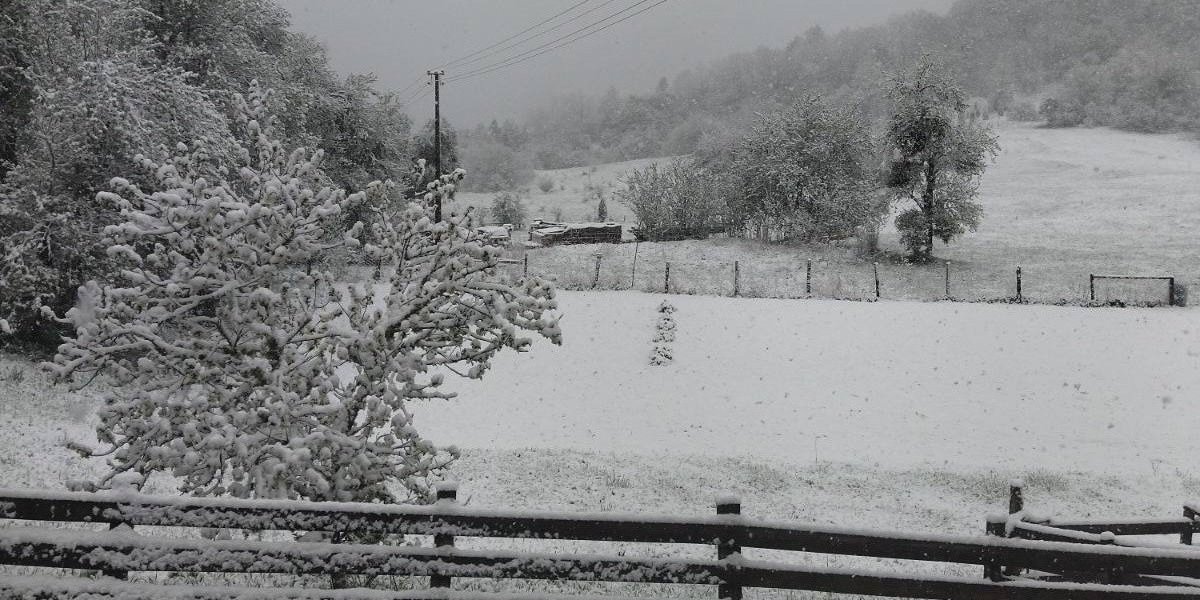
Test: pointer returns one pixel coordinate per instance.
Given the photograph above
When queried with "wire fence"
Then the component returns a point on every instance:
(822, 278)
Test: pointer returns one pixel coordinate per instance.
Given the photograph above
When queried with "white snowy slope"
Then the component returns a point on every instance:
(894, 384)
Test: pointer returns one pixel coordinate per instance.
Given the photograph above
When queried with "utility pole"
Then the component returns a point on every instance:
(437, 136)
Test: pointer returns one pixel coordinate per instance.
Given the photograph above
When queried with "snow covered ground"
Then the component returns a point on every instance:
(892, 415)
(889, 384)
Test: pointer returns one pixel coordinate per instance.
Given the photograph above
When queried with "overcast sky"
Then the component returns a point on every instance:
(399, 40)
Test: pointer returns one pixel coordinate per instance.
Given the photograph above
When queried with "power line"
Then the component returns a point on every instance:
(549, 46)
(401, 91)
(414, 96)
(536, 35)
(425, 92)
(519, 33)
(534, 51)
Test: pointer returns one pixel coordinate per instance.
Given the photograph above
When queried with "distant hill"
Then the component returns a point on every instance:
(1132, 64)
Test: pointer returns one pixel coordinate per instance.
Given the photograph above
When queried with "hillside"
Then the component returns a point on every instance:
(1123, 63)
(1059, 203)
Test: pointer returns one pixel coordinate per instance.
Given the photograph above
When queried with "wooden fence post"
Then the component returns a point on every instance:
(596, 276)
(1020, 298)
(525, 272)
(727, 548)
(996, 524)
(1016, 496)
(123, 575)
(876, 267)
(947, 280)
(1186, 536)
(1171, 291)
(1092, 286)
(736, 273)
(448, 493)
(667, 279)
(1016, 504)
(808, 278)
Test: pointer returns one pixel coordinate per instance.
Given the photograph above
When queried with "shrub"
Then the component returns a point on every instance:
(545, 184)
(1066, 113)
(677, 201)
(508, 208)
(241, 371)
(1022, 111)
(804, 174)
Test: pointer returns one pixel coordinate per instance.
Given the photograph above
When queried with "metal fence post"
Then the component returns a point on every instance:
(727, 548)
(596, 276)
(876, 267)
(447, 493)
(736, 273)
(633, 275)
(947, 280)
(525, 272)
(1020, 298)
(808, 278)
(1092, 286)
(667, 279)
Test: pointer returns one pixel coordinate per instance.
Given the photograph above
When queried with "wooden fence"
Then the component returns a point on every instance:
(115, 550)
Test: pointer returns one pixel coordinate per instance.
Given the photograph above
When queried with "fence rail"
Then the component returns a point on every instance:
(118, 550)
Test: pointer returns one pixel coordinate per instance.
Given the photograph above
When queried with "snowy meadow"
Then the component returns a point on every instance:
(886, 300)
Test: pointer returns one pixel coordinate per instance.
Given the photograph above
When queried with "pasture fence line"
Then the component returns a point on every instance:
(1016, 566)
(1021, 523)
(868, 281)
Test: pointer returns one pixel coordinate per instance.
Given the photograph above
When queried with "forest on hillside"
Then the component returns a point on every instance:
(1131, 64)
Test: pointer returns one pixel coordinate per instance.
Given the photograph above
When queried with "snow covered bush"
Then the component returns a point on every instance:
(242, 367)
(508, 208)
(664, 335)
(99, 96)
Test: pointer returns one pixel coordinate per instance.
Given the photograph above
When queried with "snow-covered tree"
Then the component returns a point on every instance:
(99, 97)
(937, 158)
(242, 367)
(805, 173)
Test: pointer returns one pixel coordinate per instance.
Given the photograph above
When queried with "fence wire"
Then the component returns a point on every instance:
(628, 267)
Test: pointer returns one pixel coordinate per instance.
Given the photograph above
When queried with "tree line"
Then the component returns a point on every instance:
(86, 86)
(815, 172)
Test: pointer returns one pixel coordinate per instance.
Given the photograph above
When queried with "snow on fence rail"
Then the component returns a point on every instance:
(122, 550)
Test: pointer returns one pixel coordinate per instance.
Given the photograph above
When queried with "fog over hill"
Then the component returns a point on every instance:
(399, 41)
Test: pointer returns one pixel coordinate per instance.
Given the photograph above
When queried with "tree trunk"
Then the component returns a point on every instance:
(930, 206)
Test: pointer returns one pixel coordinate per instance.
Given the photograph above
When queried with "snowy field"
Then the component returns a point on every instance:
(892, 415)
(891, 384)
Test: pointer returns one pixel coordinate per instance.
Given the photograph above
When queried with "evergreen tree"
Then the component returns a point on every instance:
(601, 207)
